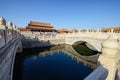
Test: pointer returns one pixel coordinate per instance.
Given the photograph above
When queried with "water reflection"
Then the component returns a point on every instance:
(54, 63)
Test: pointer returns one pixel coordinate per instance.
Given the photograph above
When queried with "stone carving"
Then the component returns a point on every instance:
(108, 58)
(14, 27)
(0, 35)
(2, 23)
(10, 25)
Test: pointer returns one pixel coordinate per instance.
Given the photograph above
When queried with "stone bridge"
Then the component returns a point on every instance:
(92, 39)
(93, 44)
(10, 44)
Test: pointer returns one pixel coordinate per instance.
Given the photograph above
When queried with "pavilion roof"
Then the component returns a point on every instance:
(23, 29)
(41, 28)
(63, 30)
(40, 24)
(114, 28)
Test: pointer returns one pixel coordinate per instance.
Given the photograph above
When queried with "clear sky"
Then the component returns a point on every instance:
(80, 14)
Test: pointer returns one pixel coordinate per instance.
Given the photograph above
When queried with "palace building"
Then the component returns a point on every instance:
(40, 27)
(115, 29)
(63, 30)
(23, 29)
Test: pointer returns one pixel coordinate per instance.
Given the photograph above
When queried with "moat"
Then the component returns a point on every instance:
(53, 63)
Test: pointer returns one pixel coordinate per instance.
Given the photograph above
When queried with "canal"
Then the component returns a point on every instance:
(61, 62)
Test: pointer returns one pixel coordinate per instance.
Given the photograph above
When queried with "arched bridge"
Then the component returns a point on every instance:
(92, 40)
(10, 44)
(93, 44)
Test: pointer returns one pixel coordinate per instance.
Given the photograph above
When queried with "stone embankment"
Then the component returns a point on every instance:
(30, 43)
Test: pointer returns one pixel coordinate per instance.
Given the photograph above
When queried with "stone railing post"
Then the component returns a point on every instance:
(2, 23)
(3, 27)
(14, 31)
(2, 32)
(43, 36)
(73, 32)
(87, 31)
(97, 31)
(108, 58)
(112, 31)
(14, 27)
(10, 25)
(51, 37)
(9, 32)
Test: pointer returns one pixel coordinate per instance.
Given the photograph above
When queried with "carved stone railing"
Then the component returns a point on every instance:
(48, 36)
(7, 33)
(10, 44)
(108, 61)
(2, 39)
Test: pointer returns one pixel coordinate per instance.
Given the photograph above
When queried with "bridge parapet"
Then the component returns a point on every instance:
(52, 35)
(108, 61)
(10, 44)
(92, 39)
(93, 35)
(2, 39)
(7, 33)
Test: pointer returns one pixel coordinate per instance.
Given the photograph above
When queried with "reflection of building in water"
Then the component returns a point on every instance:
(34, 57)
(43, 54)
(87, 60)
(77, 57)
(83, 60)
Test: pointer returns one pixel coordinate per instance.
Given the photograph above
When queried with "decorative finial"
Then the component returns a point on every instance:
(111, 30)
(110, 46)
(10, 25)
(14, 27)
(2, 23)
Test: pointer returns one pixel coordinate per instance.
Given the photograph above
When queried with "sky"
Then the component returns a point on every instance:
(79, 14)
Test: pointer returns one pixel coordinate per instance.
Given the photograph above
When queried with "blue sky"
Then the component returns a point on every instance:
(80, 14)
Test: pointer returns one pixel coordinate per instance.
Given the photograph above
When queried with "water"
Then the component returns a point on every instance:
(50, 63)
(82, 49)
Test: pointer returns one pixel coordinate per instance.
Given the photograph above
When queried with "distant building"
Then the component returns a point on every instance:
(74, 30)
(63, 30)
(23, 29)
(40, 27)
(115, 29)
